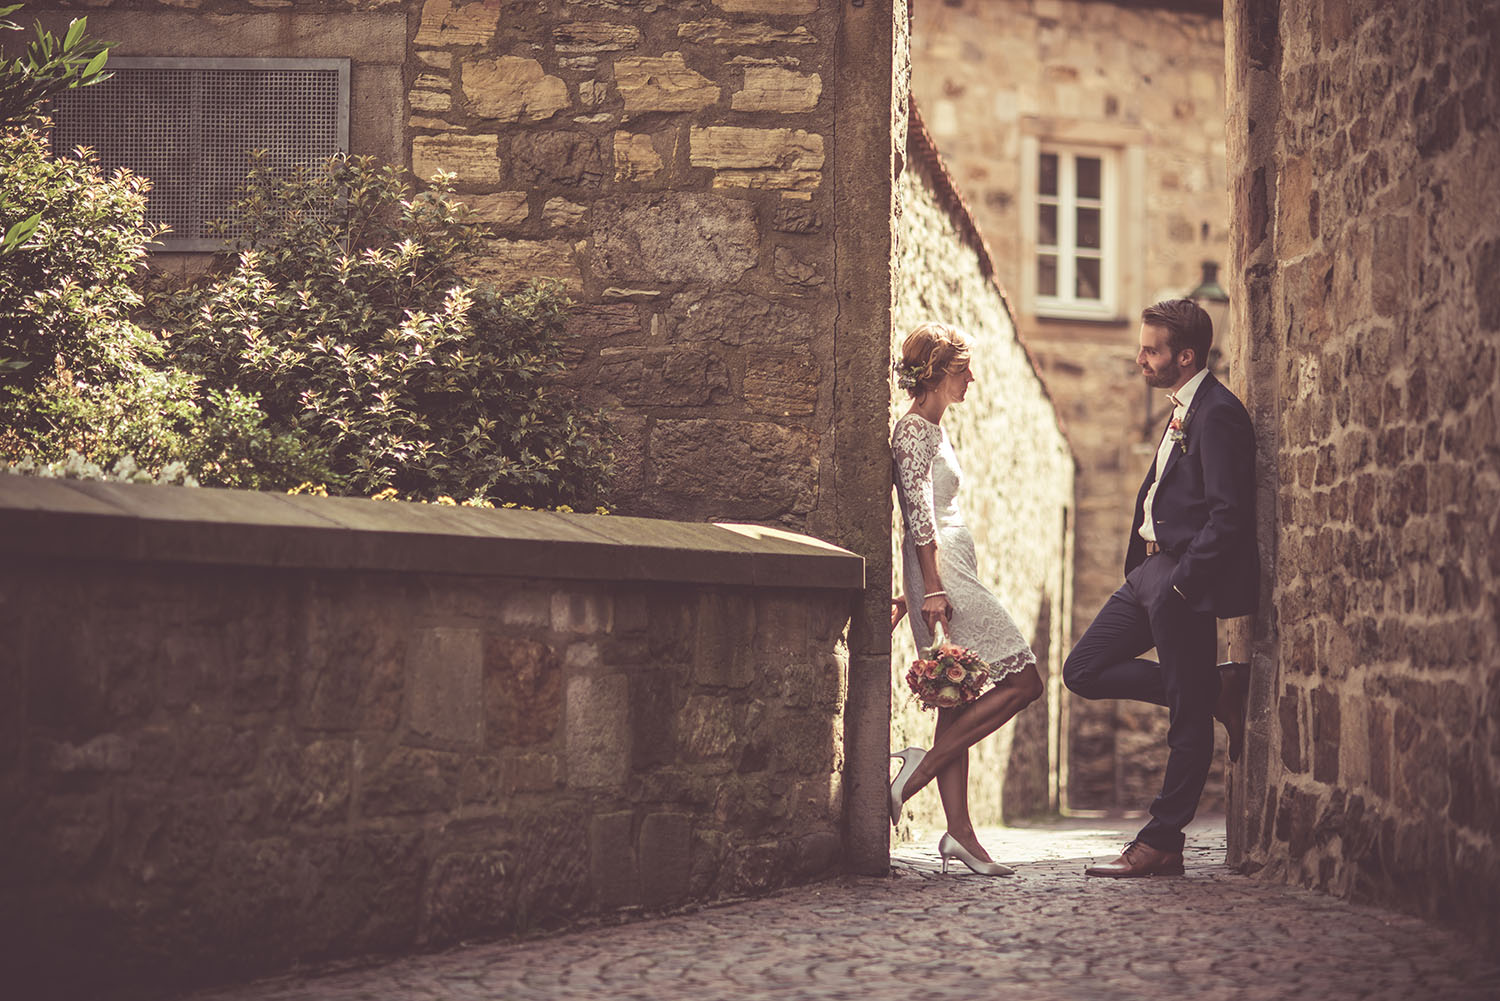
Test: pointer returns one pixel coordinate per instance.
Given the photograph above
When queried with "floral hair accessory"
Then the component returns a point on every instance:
(946, 675)
(908, 374)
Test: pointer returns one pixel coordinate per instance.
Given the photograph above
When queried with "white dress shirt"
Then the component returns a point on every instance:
(1183, 399)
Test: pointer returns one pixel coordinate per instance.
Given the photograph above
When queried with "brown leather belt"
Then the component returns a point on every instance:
(1152, 549)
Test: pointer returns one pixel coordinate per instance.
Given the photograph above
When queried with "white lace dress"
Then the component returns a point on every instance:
(927, 481)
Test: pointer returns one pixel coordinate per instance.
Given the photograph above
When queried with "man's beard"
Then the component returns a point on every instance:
(1165, 377)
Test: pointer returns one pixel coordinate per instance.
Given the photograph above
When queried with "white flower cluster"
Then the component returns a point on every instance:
(125, 470)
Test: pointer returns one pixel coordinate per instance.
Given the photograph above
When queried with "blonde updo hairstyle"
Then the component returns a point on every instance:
(928, 354)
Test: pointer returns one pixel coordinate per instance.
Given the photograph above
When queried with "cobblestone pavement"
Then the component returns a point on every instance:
(1046, 934)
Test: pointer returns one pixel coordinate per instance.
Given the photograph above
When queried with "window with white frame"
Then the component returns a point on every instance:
(1076, 247)
(189, 125)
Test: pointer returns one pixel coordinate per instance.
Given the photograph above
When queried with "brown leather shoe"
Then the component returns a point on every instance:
(1140, 859)
(1234, 689)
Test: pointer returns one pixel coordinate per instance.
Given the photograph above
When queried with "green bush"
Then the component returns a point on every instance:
(79, 383)
(338, 344)
(78, 374)
(46, 67)
(343, 315)
(67, 288)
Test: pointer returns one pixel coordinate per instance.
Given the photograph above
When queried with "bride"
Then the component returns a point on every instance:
(941, 582)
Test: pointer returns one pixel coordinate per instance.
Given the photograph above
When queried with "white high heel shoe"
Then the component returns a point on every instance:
(949, 848)
(911, 757)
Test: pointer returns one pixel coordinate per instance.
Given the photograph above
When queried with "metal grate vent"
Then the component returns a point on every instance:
(189, 125)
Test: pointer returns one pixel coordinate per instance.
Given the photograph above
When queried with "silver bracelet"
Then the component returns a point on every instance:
(933, 594)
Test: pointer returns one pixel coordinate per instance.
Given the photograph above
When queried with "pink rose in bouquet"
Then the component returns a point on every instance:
(947, 675)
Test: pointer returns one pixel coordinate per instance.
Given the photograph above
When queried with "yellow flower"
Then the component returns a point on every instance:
(315, 489)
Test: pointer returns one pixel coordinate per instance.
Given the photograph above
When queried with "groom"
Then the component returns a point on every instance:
(1191, 559)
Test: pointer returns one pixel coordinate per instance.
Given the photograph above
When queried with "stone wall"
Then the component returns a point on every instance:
(1017, 491)
(1364, 150)
(671, 161)
(243, 731)
(1146, 84)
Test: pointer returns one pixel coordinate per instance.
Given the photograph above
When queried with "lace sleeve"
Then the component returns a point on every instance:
(914, 445)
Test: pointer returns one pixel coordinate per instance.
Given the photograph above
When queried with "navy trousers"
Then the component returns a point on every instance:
(1106, 664)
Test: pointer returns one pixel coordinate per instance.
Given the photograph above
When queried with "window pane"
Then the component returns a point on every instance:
(1046, 231)
(1088, 177)
(1088, 228)
(1088, 277)
(1047, 178)
(1046, 275)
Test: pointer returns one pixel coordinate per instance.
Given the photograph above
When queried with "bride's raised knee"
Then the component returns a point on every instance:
(1028, 685)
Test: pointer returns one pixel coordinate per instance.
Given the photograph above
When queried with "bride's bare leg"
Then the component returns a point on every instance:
(953, 787)
(970, 725)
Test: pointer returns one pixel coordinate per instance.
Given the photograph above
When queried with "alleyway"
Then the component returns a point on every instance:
(1045, 934)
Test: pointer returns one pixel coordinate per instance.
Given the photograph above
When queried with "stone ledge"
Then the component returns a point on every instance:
(151, 524)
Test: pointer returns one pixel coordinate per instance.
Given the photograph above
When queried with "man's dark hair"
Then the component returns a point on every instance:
(1188, 327)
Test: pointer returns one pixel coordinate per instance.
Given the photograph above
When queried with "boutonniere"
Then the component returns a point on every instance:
(1177, 431)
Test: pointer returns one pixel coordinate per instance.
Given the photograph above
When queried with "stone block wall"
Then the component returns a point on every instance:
(246, 731)
(1364, 149)
(1017, 493)
(995, 78)
(673, 164)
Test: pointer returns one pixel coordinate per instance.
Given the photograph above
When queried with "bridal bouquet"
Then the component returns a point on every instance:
(946, 675)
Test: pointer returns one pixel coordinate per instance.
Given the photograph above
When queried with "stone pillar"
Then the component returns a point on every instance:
(868, 132)
(1253, 54)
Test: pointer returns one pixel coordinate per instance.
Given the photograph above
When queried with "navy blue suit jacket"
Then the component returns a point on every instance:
(1204, 509)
